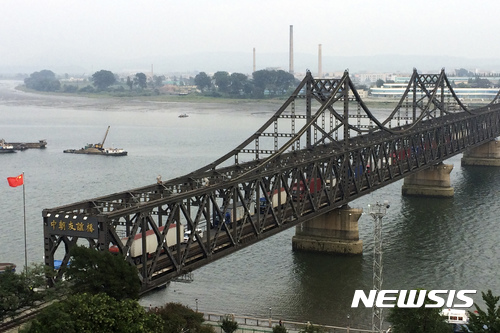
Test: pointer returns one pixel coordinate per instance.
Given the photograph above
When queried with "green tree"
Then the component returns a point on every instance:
(23, 290)
(261, 79)
(477, 82)
(158, 80)
(309, 328)
(45, 80)
(489, 321)
(272, 83)
(279, 329)
(87, 89)
(238, 83)
(103, 79)
(95, 271)
(15, 293)
(202, 81)
(206, 329)
(222, 81)
(379, 83)
(228, 325)
(141, 80)
(417, 320)
(179, 318)
(94, 313)
(284, 81)
(462, 72)
(130, 83)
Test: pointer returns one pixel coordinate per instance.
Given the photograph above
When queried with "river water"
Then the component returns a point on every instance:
(428, 243)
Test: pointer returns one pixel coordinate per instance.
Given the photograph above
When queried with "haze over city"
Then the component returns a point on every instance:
(194, 35)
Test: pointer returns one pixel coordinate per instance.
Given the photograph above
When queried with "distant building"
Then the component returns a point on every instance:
(364, 78)
(396, 91)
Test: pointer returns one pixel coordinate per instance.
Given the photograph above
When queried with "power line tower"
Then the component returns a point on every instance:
(377, 211)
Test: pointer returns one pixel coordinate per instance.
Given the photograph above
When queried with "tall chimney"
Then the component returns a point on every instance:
(291, 50)
(320, 64)
(253, 60)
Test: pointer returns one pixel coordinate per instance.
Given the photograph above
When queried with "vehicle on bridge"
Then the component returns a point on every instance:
(135, 250)
(187, 233)
(276, 199)
(299, 190)
(231, 216)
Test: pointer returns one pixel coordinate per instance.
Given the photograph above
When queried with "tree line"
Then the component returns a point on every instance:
(262, 83)
(100, 293)
(101, 290)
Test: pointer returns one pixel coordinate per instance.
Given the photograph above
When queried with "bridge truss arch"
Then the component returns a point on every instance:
(321, 149)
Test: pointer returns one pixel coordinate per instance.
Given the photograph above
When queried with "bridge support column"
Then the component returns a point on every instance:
(333, 232)
(487, 154)
(432, 182)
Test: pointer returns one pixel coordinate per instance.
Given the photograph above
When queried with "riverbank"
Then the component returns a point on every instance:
(164, 101)
(106, 101)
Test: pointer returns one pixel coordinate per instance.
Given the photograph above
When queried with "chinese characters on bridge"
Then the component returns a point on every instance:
(75, 225)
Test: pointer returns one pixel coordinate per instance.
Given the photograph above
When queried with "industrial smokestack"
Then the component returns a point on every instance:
(291, 50)
(253, 60)
(320, 64)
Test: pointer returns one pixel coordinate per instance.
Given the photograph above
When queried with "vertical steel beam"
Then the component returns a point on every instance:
(414, 81)
(308, 109)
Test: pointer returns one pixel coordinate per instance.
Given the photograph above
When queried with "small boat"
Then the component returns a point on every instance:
(98, 149)
(184, 115)
(457, 318)
(6, 148)
(115, 151)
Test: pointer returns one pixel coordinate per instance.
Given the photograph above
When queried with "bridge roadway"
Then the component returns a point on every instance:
(346, 153)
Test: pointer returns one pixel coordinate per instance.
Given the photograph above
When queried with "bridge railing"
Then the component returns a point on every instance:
(253, 324)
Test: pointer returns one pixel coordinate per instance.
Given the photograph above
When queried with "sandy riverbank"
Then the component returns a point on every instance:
(9, 95)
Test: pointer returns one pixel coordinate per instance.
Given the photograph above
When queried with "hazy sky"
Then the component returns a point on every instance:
(105, 33)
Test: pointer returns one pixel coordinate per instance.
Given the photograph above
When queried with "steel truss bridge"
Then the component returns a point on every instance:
(323, 136)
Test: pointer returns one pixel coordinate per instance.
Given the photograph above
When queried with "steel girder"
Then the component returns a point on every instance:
(329, 153)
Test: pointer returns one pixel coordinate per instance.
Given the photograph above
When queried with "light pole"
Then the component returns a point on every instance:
(348, 323)
(377, 211)
(196, 300)
(270, 317)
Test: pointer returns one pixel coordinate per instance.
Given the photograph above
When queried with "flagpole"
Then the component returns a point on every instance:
(25, 245)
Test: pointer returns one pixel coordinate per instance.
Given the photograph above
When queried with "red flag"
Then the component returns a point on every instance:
(16, 181)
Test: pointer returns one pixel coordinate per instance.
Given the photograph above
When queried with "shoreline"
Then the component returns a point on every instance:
(12, 94)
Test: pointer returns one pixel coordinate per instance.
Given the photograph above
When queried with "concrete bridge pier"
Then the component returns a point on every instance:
(431, 182)
(487, 154)
(333, 232)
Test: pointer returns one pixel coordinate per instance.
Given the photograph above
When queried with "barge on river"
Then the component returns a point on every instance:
(28, 145)
(98, 149)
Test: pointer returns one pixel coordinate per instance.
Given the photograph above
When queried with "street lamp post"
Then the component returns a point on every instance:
(270, 317)
(348, 323)
(196, 300)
